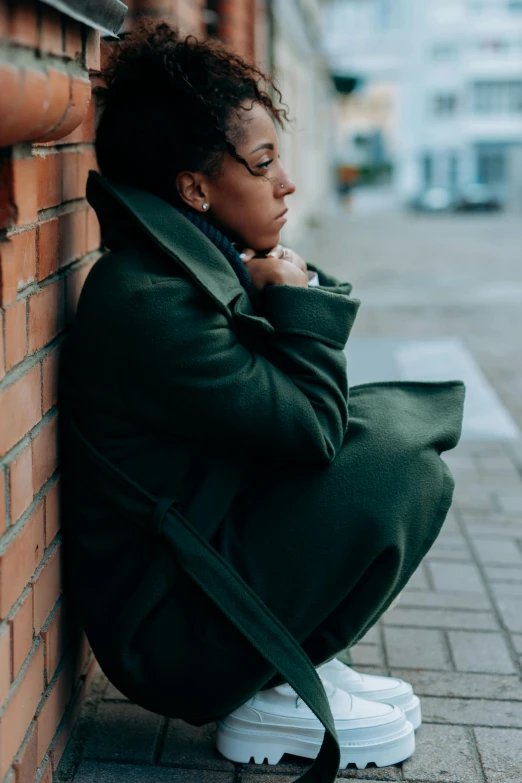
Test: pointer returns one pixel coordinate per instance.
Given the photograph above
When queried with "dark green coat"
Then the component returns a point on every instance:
(321, 503)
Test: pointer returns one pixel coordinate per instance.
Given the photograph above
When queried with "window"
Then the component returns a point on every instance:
(427, 169)
(491, 164)
(444, 104)
(494, 46)
(453, 170)
(497, 97)
(515, 6)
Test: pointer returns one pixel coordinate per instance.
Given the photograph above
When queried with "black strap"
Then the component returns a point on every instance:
(225, 587)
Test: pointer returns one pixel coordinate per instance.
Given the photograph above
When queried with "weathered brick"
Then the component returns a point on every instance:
(472, 712)
(47, 589)
(49, 169)
(412, 648)
(500, 754)
(443, 753)
(20, 710)
(46, 315)
(50, 366)
(5, 664)
(22, 633)
(45, 453)
(48, 247)
(54, 638)
(461, 684)
(15, 334)
(136, 744)
(17, 264)
(24, 190)
(441, 618)
(92, 50)
(19, 561)
(52, 513)
(74, 285)
(59, 743)
(2, 503)
(73, 236)
(21, 483)
(25, 765)
(480, 652)
(54, 706)
(51, 32)
(24, 27)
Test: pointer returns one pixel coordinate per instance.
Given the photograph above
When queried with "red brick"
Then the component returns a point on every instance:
(73, 712)
(20, 711)
(73, 236)
(25, 765)
(15, 333)
(5, 664)
(50, 366)
(24, 27)
(45, 453)
(93, 231)
(20, 404)
(21, 483)
(22, 633)
(24, 190)
(26, 116)
(17, 264)
(54, 638)
(48, 240)
(73, 40)
(18, 563)
(72, 187)
(92, 50)
(2, 503)
(52, 513)
(2, 358)
(11, 99)
(59, 93)
(51, 33)
(47, 589)
(85, 132)
(47, 774)
(74, 285)
(49, 170)
(54, 707)
(45, 315)
(80, 98)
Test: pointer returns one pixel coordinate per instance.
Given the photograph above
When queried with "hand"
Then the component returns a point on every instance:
(280, 266)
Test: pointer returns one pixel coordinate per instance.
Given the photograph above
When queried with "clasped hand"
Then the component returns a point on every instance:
(280, 266)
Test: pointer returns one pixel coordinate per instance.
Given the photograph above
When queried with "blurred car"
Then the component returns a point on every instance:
(478, 198)
(434, 200)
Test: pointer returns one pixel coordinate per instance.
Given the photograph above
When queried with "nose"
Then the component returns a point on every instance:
(285, 186)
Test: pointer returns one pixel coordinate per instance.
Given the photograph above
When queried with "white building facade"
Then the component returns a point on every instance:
(457, 68)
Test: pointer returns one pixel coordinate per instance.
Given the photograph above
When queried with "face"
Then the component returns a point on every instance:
(245, 208)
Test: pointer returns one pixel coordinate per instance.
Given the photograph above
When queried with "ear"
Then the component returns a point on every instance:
(192, 189)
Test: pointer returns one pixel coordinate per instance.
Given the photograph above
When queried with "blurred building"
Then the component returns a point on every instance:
(455, 70)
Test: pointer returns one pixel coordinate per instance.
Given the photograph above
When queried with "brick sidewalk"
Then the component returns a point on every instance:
(456, 635)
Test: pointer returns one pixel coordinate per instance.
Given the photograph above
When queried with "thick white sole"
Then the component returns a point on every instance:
(413, 712)
(271, 745)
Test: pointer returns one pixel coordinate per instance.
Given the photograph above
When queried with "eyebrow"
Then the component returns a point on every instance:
(267, 145)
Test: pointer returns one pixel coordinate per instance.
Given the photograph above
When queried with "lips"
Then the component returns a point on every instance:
(281, 214)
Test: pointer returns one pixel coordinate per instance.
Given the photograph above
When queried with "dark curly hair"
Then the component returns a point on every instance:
(172, 104)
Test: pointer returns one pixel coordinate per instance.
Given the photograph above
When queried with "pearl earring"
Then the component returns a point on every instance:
(205, 205)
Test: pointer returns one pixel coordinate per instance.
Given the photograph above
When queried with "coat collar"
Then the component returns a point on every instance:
(173, 233)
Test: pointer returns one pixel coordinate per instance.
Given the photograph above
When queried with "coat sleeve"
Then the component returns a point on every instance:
(187, 372)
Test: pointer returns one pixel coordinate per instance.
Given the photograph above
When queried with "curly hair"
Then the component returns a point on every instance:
(172, 104)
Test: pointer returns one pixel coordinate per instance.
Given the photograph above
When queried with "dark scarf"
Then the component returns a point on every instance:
(226, 247)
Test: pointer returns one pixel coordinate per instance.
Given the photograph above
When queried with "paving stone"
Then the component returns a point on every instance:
(456, 576)
(441, 618)
(517, 641)
(413, 648)
(419, 580)
(497, 552)
(480, 652)
(472, 712)
(373, 636)
(510, 502)
(367, 654)
(506, 588)
(510, 607)
(192, 746)
(504, 574)
(463, 685)
(501, 754)
(496, 531)
(123, 732)
(442, 753)
(497, 466)
(437, 600)
(371, 774)
(92, 772)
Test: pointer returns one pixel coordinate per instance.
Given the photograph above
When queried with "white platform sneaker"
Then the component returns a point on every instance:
(276, 721)
(386, 690)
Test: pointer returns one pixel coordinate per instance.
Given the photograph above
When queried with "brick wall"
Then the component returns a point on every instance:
(49, 240)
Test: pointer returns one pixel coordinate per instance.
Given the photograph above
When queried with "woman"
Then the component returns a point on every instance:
(233, 519)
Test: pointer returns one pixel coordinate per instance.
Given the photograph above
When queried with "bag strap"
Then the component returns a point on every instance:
(226, 588)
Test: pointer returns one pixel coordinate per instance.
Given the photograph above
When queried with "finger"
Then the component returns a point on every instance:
(247, 255)
(277, 252)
